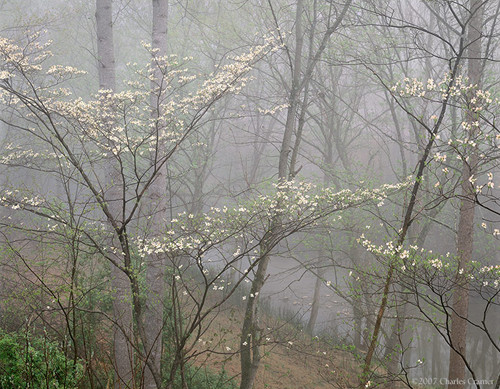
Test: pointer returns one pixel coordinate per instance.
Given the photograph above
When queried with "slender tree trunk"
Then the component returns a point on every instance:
(358, 325)
(393, 348)
(293, 100)
(392, 351)
(436, 355)
(311, 324)
(123, 359)
(251, 333)
(250, 356)
(407, 221)
(327, 181)
(460, 302)
(465, 234)
(155, 275)
(250, 336)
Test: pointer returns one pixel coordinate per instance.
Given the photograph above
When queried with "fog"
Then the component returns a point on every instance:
(249, 194)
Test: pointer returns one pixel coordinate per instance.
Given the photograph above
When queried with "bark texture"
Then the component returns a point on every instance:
(105, 47)
(155, 274)
(465, 234)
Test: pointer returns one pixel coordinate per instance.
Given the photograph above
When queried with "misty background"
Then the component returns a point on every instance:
(247, 193)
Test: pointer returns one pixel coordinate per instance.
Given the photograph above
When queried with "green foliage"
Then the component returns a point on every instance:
(206, 379)
(34, 362)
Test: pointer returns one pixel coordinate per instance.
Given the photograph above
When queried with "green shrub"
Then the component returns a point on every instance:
(35, 362)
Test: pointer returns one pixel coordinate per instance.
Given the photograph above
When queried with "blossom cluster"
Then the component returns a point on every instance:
(299, 203)
(446, 88)
(413, 261)
(111, 131)
(477, 135)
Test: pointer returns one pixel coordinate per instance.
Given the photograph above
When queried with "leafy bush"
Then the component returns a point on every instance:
(35, 362)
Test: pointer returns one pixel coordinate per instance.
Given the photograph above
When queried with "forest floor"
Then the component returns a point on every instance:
(291, 358)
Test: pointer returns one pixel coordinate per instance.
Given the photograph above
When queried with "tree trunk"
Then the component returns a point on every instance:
(122, 311)
(105, 47)
(317, 296)
(408, 219)
(436, 355)
(293, 100)
(249, 362)
(155, 275)
(392, 351)
(123, 358)
(393, 347)
(250, 334)
(465, 234)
